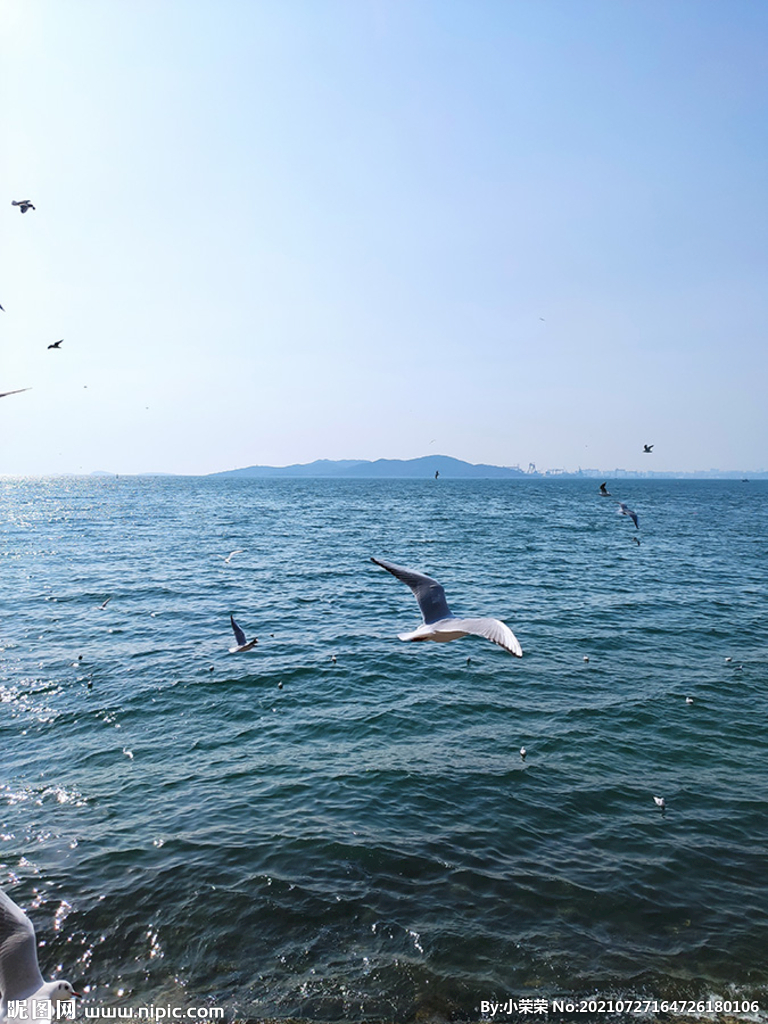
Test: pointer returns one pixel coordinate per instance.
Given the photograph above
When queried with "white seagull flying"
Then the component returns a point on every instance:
(242, 643)
(20, 977)
(440, 624)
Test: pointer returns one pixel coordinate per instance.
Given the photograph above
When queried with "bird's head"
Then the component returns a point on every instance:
(62, 991)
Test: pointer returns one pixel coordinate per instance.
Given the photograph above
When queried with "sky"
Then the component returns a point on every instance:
(272, 231)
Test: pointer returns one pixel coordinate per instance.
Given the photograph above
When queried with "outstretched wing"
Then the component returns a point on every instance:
(239, 634)
(428, 592)
(491, 629)
(19, 974)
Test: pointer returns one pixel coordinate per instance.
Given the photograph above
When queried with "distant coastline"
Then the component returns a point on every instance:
(427, 467)
(455, 469)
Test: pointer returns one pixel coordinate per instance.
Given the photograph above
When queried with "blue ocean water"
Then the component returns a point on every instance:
(365, 841)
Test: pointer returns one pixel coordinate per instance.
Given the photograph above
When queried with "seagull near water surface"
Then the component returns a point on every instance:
(440, 624)
(625, 510)
(20, 977)
(604, 492)
(242, 644)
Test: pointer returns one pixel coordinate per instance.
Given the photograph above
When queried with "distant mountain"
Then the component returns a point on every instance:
(423, 468)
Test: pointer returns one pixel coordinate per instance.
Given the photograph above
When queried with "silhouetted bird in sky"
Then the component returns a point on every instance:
(56, 344)
(23, 204)
(647, 449)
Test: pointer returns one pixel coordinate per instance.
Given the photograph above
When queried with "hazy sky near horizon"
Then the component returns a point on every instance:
(272, 231)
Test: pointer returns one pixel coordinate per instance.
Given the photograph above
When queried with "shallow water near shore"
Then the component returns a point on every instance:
(340, 826)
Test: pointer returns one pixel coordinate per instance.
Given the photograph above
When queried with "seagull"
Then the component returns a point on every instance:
(660, 802)
(439, 623)
(23, 204)
(229, 557)
(647, 449)
(104, 605)
(20, 977)
(56, 344)
(242, 643)
(636, 539)
(437, 473)
(604, 492)
(624, 510)
(689, 700)
(523, 752)
(16, 392)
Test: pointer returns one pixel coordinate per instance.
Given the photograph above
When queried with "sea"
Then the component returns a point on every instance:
(340, 826)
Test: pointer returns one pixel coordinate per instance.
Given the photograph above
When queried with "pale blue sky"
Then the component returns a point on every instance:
(280, 230)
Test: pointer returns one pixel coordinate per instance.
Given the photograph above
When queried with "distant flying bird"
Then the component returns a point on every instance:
(242, 643)
(56, 344)
(660, 802)
(23, 204)
(624, 510)
(523, 752)
(231, 555)
(604, 490)
(437, 473)
(647, 449)
(104, 605)
(636, 539)
(20, 979)
(16, 392)
(689, 700)
(439, 623)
